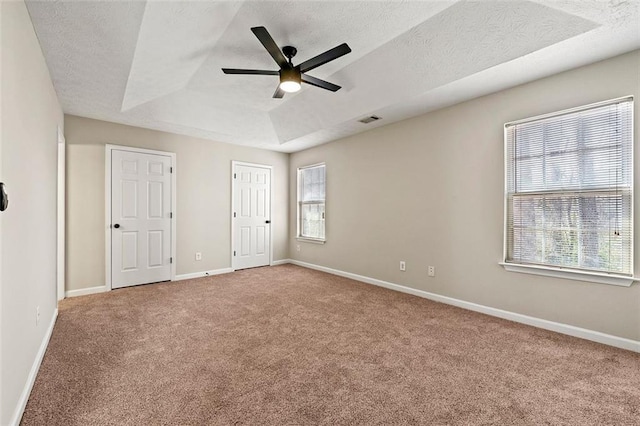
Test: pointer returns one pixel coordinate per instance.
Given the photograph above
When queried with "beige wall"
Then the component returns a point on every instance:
(203, 197)
(429, 191)
(29, 120)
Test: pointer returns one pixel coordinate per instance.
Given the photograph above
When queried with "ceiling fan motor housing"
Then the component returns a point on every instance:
(290, 74)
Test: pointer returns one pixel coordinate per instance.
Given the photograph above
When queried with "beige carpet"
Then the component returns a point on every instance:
(288, 345)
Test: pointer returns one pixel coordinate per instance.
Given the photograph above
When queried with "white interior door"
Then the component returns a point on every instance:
(251, 216)
(140, 218)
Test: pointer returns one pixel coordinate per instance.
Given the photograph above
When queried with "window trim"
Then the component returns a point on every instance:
(300, 237)
(560, 272)
(570, 274)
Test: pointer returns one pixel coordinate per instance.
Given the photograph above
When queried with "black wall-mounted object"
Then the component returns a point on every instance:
(4, 201)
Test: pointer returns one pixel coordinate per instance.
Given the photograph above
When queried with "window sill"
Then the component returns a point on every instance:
(619, 280)
(311, 240)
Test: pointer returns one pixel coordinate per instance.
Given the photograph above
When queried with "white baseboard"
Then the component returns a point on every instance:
(202, 274)
(31, 379)
(86, 291)
(101, 289)
(220, 271)
(583, 333)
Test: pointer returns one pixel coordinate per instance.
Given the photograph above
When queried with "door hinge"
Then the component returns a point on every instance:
(170, 169)
(171, 260)
(234, 214)
(171, 215)
(234, 175)
(234, 252)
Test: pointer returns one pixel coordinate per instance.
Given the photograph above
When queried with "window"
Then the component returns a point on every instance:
(569, 190)
(311, 204)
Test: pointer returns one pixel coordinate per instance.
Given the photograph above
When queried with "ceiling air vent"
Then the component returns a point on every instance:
(369, 119)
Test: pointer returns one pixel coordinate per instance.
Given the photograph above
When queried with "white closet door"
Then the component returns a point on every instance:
(140, 218)
(252, 216)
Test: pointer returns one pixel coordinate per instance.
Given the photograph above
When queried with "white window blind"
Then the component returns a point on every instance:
(569, 192)
(311, 202)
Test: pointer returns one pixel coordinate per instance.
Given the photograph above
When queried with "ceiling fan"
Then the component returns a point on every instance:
(291, 76)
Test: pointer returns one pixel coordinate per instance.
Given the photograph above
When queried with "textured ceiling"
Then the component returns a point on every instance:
(156, 64)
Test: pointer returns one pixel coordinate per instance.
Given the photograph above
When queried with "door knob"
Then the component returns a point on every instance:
(267, 221)
(117, 225)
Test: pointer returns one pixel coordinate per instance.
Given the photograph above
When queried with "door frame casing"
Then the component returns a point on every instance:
(107, 200)
(61, 217)
(235, 163)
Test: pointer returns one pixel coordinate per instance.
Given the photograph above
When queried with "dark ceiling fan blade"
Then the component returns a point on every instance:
(325, 57)
(279, 93)
(252, 72)
(271, 46)
(320, 83)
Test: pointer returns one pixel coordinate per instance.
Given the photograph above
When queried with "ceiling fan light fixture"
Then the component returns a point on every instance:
(290, 80)
(290, 86)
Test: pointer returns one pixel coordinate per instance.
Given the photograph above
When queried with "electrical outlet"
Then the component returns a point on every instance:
(198, 256)
(37, 315)
(298, 247)
(432, 271)
(403, 265)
